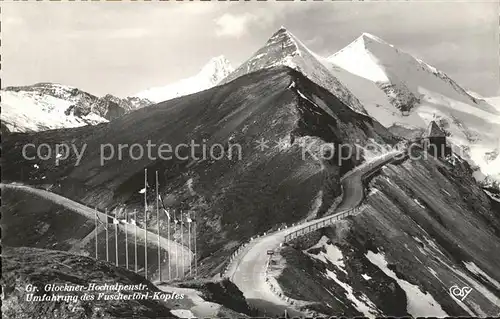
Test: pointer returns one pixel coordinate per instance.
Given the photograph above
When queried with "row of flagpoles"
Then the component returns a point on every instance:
(184, 218)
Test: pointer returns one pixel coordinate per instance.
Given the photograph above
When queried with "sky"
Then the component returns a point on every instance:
(125, 47)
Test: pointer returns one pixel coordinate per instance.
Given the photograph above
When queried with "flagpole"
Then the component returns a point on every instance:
(145, 223)
(116, 238)
(107, 252)
(182, 248)
(176, 251)
(189, 245)
(168, 249)
(96, 226)
(126, 238)
(158, 223)
(135, 239)
(195, 252)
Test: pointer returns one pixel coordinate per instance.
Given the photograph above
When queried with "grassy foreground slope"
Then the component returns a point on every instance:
(38, 267)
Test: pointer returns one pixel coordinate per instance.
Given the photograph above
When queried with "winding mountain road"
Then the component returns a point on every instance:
(248, 269)
(168, 245)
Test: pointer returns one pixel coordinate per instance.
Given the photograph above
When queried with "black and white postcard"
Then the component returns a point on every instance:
(252, 159)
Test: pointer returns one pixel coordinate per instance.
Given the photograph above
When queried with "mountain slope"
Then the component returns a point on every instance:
(39, 267)
(374, 100)
(283, 48)
(425, 226)
(45, 106)
(234, 198)
(419, 94)
(210, 75)
(399, 74)
(495, 101)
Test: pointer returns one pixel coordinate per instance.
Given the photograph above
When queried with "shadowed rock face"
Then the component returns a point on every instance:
(284, 49)
(432, 226)
(39, 267)
(233, 198)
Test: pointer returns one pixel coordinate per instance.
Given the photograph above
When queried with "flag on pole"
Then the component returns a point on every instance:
(107, 239)
(135, 239)
(142, 191)
(189, 220)
(132, 221)
(195, 253)
(99, 220)
(158, 199)
(167, 213)
(116, 222)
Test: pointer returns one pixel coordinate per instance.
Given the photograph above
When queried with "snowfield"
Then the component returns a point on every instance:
(333, 254)
(399, 89)
(29, 111)
(420, 304)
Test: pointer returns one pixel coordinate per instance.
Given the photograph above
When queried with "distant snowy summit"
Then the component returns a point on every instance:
(283, 48)
(401, 76)
(416, 93)
(209, 76)
(45, 106)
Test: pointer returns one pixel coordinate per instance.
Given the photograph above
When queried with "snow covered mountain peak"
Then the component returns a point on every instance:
(288, 42)
(209, 76)
(368, 37)
(284, 49)
(404, 78)
(417, 93)
(43, 106)
(216, 69)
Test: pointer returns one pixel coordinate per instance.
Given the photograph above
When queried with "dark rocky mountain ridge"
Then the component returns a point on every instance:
(278, 184)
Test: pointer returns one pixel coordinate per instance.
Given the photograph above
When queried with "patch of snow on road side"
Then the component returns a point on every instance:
(419, 203)
(373, 191)
(201, 308)
(333, 254)
(366, 277)
(388, 180)
(478, 271)
(432, 244)
(435, 274)
(418, 303)
(363, 304)
(182, 313)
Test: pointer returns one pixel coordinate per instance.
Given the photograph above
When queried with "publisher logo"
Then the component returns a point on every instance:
(460, 293)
